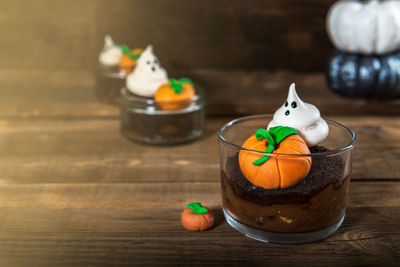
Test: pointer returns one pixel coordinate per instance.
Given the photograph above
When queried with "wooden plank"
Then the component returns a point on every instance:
(92, 150)
(139, 224)
(70, 94)
(31, 93)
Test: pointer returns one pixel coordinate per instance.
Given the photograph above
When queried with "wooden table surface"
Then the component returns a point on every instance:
(73, 191)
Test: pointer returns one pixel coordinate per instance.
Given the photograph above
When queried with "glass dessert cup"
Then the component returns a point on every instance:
(144, 120)
(109, 81)
(309, 211)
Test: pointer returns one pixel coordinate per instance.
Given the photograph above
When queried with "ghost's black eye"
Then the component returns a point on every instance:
(286, 104)
(287, 112)
(294, 104)
(153, 68)
(155, 61)
(148, 62)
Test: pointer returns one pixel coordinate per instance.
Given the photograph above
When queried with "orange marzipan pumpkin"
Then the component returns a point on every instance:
(126, 63)
(192, 220)
(279, 171)
(169, 99)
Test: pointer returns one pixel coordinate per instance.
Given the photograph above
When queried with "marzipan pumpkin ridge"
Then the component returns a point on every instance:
(196, 217)
(294, 148)
(274, 137)
(279, 171)
(294, 139)
(274, 171)
(175, 94)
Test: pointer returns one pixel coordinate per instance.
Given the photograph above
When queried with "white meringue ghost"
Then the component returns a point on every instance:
(304, 117)
(148, 75)
(111, 52)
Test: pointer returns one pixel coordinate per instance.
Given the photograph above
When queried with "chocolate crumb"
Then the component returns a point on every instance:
(324, 170)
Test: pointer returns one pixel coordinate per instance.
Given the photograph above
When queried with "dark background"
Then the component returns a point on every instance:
(243, 53)
(216, 34)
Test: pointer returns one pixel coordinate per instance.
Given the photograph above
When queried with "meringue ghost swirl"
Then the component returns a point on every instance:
(148, 75)
(304, 117)
(111, 52)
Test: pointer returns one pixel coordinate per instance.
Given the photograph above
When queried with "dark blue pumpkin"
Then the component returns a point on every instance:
(364, 76)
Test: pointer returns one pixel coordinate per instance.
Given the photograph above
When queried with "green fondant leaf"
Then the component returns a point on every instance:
(274, 136)
(125, 49)
(186, 80)
(281, 132)
(177, 85)
(197, 208)
(134, 56)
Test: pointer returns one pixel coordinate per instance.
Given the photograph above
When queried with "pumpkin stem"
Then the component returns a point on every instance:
(197, 208)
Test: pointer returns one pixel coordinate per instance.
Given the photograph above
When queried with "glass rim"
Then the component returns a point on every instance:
(147, 105)
(348, 146)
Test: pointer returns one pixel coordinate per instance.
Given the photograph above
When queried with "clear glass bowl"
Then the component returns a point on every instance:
(143, 119)
(109, 81)
(309, 211)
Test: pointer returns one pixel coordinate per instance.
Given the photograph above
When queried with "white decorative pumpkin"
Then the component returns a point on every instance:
(371, 27)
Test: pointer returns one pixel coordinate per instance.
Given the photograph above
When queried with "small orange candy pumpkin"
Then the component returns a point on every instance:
(175, 94)
(275, 171)
(129, 59)
(197, 218)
